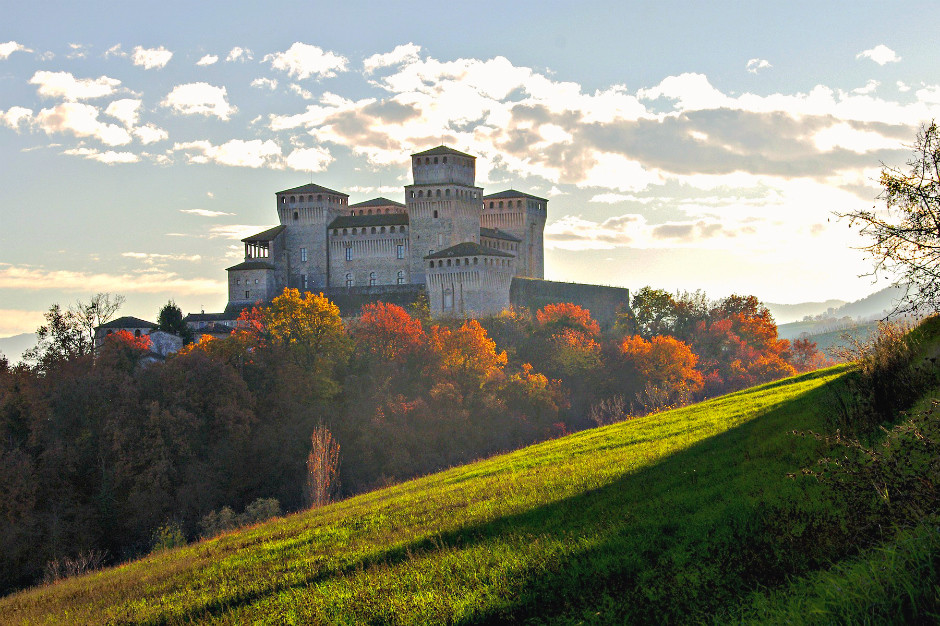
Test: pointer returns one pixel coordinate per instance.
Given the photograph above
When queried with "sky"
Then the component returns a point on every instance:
(682, 145)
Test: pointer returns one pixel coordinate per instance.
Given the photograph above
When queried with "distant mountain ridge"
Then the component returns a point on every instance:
(784, 313)
(14, 347)
(874, 306)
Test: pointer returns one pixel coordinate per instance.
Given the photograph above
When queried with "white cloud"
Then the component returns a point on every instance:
(9, 47)
(614, 198)
(14, 116)
(126, 110)
(153, 258)
(205, 212)
(309, 159)
(79, 51)
(82, 121)
(239, 54)
(690, 91)
(265, 83)
(150, 58)
(300, 91)
(880, 54)
(114, 51)
(903, 87)
(149, 134)
(236, 152)
(616, 171)
(34, 279)
(64, 85)
(869, 87)
(200, 98)
(304, 60)
(209, 59)
(405, 53)
(18, 321)
(109, 157)
(756, 65)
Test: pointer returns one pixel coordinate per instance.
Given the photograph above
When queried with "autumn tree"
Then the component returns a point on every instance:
(387, 333)
(905, 236)
(663, 370)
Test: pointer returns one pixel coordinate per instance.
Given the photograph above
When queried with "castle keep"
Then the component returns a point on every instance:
(463, 247)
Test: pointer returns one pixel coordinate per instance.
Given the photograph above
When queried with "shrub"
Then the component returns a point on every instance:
(167, 537)
(225, 519)
(66, 567)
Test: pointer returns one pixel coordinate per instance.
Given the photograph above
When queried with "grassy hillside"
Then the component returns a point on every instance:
(663, 518)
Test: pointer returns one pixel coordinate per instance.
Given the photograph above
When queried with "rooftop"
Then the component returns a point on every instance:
(443, 150)
(512, 193)
(379, 219)
(312, 188)
(252, 264)
(376, 202)
(128, 322)
(268, 235)
(467, 248)
(495, 233)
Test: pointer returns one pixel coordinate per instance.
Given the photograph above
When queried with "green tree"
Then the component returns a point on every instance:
(171, 320)
(906, 235)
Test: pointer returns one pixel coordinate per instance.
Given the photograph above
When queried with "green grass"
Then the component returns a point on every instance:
(668, 518)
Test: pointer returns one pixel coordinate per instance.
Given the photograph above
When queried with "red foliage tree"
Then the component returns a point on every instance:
(387, 332)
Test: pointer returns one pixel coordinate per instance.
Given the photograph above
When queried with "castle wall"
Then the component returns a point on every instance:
(524, 218)
(604, 303)
(439, 222)
(372, 258)
(458, 287)
(247, 286)
(306, 217)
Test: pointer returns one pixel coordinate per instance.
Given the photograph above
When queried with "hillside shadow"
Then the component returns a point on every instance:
(649, 539)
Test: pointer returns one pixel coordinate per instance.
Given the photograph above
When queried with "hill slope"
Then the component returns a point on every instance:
(659, 519)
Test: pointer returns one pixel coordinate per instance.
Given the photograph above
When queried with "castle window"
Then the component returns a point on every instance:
(238, 281)
(293, 199)
(372, 279)
(435, 160)
(432, 264)
(440, 264)
(303, 255)
(386, 210)
(303, 282)
(247, 295)
(137, 333)
(345, 231)
(401, 252)
(435, 212)
(349, 254)
(445, 160)
(354, 231)
(320, 197)
(256, 281)
(373, 230)
(401, 277)
(391, 229)
(283, 200)
(369, 212)
(491, 204)
(500, 204)
(447, 192)
(382, 230)
(427, 160)
(448, 262)
(420, 194)
(296, 216)
(437, 192)
(349, 279)
(475, 260)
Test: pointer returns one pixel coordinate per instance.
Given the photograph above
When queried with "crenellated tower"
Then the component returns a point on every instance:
(443, 204)
(523, 216)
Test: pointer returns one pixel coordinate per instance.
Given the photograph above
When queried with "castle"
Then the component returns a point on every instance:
(463, 248)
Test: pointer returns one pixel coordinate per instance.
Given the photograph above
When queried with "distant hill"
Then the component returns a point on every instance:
(14, 347)
(785, 313)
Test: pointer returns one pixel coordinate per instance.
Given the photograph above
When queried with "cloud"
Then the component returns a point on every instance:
(64, 85)
(200, 99)
(36, 279)
(150, 58)
(236, 152)
(239, 54)
(265, 83)
(79, 51)
(80, 120)
(18, 321)
(756, 65)
(880, 54)
(614, 198)
(15, 116)
(149, 134)
(109, 157)
(205, 212)
(9, 47)
(126, 110)
(209, 59)
(309, 159)
(405, 53)
(304, 60)
(152, 258)
(300, 91)
(572, 232)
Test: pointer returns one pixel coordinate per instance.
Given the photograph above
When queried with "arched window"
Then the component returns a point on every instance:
(345, 231)
(372, 279)
(435, 213)
(491, 204)
(448, 262)
(373, 230)
(432, 264)
(445, 160)
(283, 200)
(137, 333)
(293, 199)
(354, 231)
(440, 264)
(435, 160)
(447, 192)
(320, 197)
(427, 160)
(296, 216)
(401, 277)
(500, 204)
(391, 229)
(475, 260)
(369, 212)
(349, 279)
(518, 203)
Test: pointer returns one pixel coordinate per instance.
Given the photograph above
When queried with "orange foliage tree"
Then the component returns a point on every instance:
(387, 332)
(663, 369)
(466, 356)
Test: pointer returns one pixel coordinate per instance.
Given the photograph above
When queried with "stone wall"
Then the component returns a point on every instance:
(350, 301)
(370, 257)
(465, 289)
(603, 302)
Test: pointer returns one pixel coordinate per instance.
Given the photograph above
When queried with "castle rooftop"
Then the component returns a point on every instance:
(443, 150)
(379, 219)
(376, 202)
(467, 248)
(495, 233)
(313, 188)
(252, 264)
(512, 193)
(267, 235)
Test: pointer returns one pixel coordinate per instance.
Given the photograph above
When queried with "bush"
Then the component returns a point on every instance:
(66, 567)
(225, 519)
(889, 379)
(167, 537)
